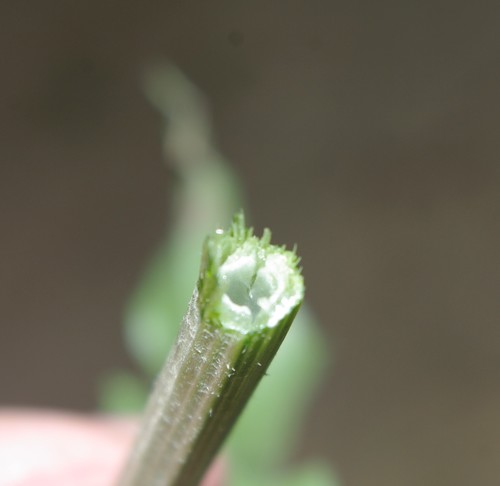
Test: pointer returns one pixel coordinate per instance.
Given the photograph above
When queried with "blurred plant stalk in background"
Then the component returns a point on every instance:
(205, 196)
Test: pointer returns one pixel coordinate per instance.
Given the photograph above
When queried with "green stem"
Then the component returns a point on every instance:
(246, 298)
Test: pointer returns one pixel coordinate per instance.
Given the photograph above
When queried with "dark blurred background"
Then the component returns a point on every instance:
(367, 132)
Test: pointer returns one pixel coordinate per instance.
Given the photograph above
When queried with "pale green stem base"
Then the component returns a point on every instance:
(205, 383)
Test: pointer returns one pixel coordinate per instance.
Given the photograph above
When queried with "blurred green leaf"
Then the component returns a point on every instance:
(276, 409)
(310, 474)
(122, 392)
(205, 197)
(313, 473)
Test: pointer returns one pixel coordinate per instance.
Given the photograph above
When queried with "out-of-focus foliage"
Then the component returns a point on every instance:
(122, 392)
(267, 431)
(206, 196)
(310, 474)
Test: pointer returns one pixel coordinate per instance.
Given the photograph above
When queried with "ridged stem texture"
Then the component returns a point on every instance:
(246, 298)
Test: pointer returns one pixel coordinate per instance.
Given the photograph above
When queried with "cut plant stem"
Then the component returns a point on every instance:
(246, 297)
